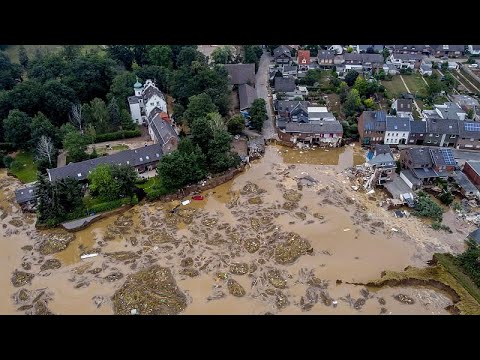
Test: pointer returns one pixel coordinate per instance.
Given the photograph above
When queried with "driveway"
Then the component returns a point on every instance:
(261, 84)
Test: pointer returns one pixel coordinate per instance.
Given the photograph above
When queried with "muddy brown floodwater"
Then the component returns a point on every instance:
(283, 237)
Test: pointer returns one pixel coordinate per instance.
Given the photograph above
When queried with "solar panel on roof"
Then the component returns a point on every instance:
(448, 157)
(472, 126)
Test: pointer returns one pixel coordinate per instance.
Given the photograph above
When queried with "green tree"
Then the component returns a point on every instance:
(114, 112)
(361, 86)
(122, 88)
(71, 52)
(349, 49)
(385, 53)
(353, 103)
(22, 56)
(223, 54)
(160, 55)
(311, 77)
(252, 55)
(47, 67)
(470, 113)
(75, 144)
(16, 129)
(201, 133)
(45, 153)
(187, 55)
(102, 183)
(123, 54)
(446, 198)
(158, 74)
(351, 77)
(343, 91)
(96, 113)
(220, 155)
(56, 101)
(10, 73)
(125, 176)
(369, 103)
(216, 122)
(426, 207)
(55, 200)
(127, 122)
(42, 126)
(236, 124)
(258, 113)
(199, 106)
(444, 66)
(182, 167)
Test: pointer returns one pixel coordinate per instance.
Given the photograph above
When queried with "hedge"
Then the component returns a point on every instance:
(122, 134)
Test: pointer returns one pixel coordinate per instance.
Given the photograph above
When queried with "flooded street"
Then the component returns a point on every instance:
(283, 237)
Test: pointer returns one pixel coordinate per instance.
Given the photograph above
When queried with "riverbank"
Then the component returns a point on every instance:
(268, 240)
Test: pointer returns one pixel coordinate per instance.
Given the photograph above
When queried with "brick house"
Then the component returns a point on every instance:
(472, 170)
(372, 126)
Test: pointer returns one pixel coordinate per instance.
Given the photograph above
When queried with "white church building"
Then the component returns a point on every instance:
(147, 97)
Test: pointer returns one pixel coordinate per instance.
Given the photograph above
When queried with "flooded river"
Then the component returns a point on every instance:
(289, 232)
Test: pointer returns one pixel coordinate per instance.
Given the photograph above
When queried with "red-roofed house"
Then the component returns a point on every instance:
(303, 59)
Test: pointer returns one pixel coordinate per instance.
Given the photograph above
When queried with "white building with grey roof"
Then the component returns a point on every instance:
(397, 130)
(147, 97)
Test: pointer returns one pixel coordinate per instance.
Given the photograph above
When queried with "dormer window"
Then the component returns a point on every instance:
(146, 157)
(128, 162)
(141, 159)
(79, 174)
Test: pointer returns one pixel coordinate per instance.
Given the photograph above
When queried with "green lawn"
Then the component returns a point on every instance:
(24, 168)
(395, 86)
(116, 148)
(416, 84)
(12, 50)
(149, 184)
(448, 262)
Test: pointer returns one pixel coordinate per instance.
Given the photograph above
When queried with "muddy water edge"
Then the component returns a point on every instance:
(270, 240)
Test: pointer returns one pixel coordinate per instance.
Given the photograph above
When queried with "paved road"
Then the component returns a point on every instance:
(476, 88)
(261, 84)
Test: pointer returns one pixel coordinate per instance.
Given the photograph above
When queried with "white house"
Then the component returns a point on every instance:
(474, 49)
(452, 65)
(397, 130)
(406, 61)
(147, 97)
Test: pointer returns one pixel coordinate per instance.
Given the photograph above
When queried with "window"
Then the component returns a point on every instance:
(128, 162)
(151, 103)
(141, 159)
(437, 135)
(158, 102)
(147, 157)
(421, 134)
(452, 136)
(429, 142)
(396, 134)
(79, 174)
(430, 135)
(472, 139)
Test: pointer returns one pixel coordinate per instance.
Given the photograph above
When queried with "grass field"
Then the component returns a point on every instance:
(416, 84)
(394, 87)
(12, 50)
(149, 184)
(116, 148)
(24, 168)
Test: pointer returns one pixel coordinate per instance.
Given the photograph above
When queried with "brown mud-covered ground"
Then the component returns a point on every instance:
(275, 239)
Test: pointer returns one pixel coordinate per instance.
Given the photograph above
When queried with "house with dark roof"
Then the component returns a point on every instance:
(142, 159)
(246, 94)
(403, 108)
(472, 170)
(287, 108)
(465, 102)
(163, 133)
(406, 61)
(467, 188)
(418, 131)
(282, 55)
(284, 85)
(325, 58)
(411, 49)
(372, 126)
(25, 197)
(397, 130)
(303, 60)
(447, 110)
(469, 135)
(448, 50)
(327, 133)
(363, 62)
(426, 68)
(441, 132)
(289, 71)
(239, 74)
(427, 164)
(147, 97)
